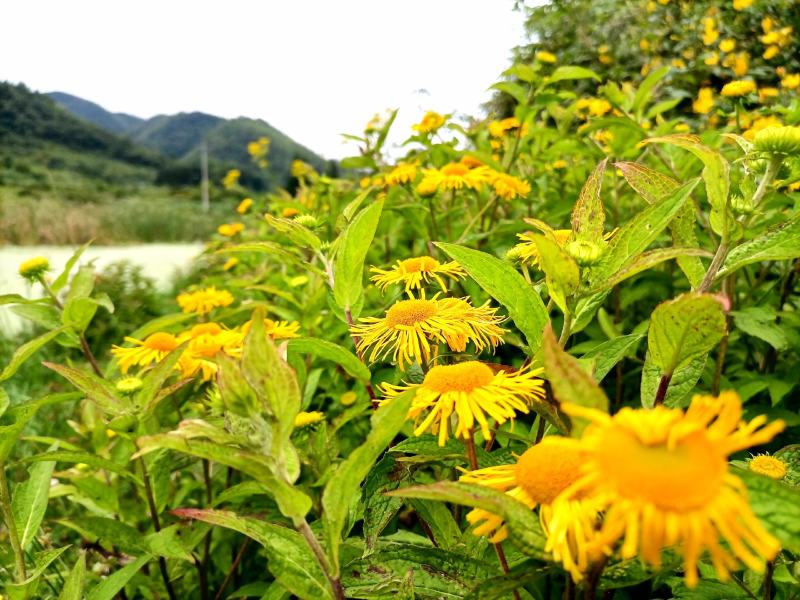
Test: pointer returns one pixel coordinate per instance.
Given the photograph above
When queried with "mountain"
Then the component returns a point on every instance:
(94, 113)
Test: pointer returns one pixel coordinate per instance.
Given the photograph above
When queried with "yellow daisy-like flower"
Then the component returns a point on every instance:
(231, 178)
(764, 464)
(760, 124)
(204, 301)
(34, 268)
(704, 102)
(471, 391)
(741, 87)
(277, 330)
(727, 45)
(206, 340)
(542, 473)
(304, 419)
(416, 271)
(230, 263)
(153, 349)
(528, 252)
(230, 229)
(301, 169)
(470, 162)
(791, 81)
(430, 122)
(661, 477)
(546, 57)
(509, 187)
(402, 173)
(766, 93)
(742, 4)
(410, 329)
(452, 177)
(244, 206)
(289, 211)
(499, 128)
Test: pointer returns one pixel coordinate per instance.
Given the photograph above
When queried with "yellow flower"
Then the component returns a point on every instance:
(402, 173)
(498, 129)
(471, 392)
(277, 330)
(258, 150)
(771, 52)
(454, 176)
(560, 164)
(545, 57)
(205, 341)
(34, 268)
(791, 81)
(230, 263)
(742, 4)
(704, 102)
(764, 464)
(416, 271)
(673, 487)
(644, 45)
(429, 123)
(712, 59)
(411, 329)
(143, 353)
(605, 59)
(348, 398)
(230, 229)
(542, 473)
(761, 123)
(300, 169)
(230, 179)
(727, 45)
(765, 93)
(289, 211)
(509, 187)
(740, 87)
(304, 419)
(470, 162)
(741, 64)
(767, 24)
(244, 206)
(204, 301)
(528, 252)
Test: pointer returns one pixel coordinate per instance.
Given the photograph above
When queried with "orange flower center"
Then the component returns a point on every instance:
(455, 169)
(679, 479)
(205, 328)
(461, 377)
(423, 263)
(548, 468)
(409, 312)
(165, 342)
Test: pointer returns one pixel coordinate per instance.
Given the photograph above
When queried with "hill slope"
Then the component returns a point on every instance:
(96, 114)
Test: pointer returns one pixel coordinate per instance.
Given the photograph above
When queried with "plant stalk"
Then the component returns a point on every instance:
(151, 503)
(305, 530)
(8, 517)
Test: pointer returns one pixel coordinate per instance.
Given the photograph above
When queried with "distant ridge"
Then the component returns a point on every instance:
(94, 113)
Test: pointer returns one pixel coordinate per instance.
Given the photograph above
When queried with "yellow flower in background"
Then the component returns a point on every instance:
(258, 150)
(348, 398)
(674, 487)
(738, 88)
(304, 419)
(231, 178)
(764, 464)
(230, 263)
(509, 187)
(499, 128)
(302, 170)
(203, 301)
(289, 211)
(473, 393)
(470, 162)
(710, 31)
(766, 93)
(761, 123)
(34, 268)
(560, 164)
(742, 4)
(741, 64)
(454, 176)
(230, 229)
(429, 123)
(277, 330)
(704, 102)
(644, 45)
(712, 59)
(244, 206)
(414, 272)
(545, 57)
(727, 45)
(791, 81)
(154, 348)
(411, 329)
(402, 173)
(771, 52)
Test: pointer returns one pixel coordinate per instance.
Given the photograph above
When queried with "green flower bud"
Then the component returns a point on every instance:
(514, 254)
(584, 253)
(34, 268)
(129, 385)
(742, 206)
(309, 221)
(778, 140)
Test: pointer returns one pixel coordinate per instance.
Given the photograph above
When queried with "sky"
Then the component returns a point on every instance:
(312, 68)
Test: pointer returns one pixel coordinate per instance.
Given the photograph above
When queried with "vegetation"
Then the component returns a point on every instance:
(549, 354)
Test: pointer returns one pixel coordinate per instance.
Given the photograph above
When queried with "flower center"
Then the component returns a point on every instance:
(679, 479)
(165, 342)
(423, 263)
(462, 377)
(205, 328)
(455, 169)
(548, 468)
(409, 312)
(769, 466)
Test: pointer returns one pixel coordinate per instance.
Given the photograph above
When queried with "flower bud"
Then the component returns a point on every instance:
(309, 221)
(741, 205)
(128, 385)
(584, 252)
(778, 140)
(34, 268)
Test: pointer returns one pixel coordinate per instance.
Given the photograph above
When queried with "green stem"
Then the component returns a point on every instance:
(305, 530)
(151, 503)
(565, 330)
(8, 517)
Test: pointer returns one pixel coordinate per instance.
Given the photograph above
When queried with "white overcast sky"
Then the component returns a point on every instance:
(311, 68)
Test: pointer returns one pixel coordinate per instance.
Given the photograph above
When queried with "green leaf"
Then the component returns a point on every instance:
(299, 234)
(646, 89)
(17, 417)
(27, 350)
(648, 260)
(523, 526)
(589, 215)
(344, 485)
(42, 314)
(353, 246)
(4, 401)
(290, 559)
(108, 532)
(562, 274)
(502, 282)
(109, 587)
(605, 356)
(63, 278)
(73, 586)
(687, 327)
(330, 351)
(150, 394)
(98, 390)
(776, 504)
(273, 249)
(681, 383)
(379, 509)
(780, 243)
(759, 322)
(23, 590)
(570, 382)
(568, 72)
(168, 543)
(636, 235)
(706, 590)
(443, 526)
(87, 458)
(29, 502)
(515, 90)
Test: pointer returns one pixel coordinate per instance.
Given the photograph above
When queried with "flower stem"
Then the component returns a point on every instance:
(8, 517)
(663, 386)
(565, 329)
(151, 503)
(305, 530)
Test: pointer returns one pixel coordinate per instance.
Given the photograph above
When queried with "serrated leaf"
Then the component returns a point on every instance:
(29, 502)
(760, 323)
(87, 458)
(290, 559)
(680, 386)
(648, 260)
(353, 246)
(168, 543)
(98, 390)
(515, 90)
(502, 282)
(23, 590)
(780, 243)
(776, 504)
(330, 351)
(588, 214)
